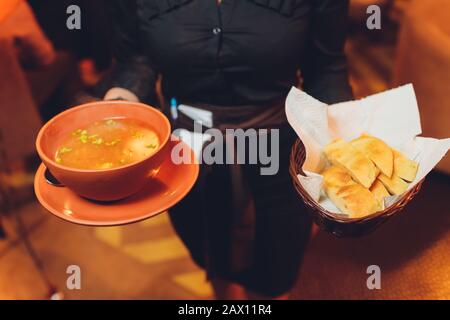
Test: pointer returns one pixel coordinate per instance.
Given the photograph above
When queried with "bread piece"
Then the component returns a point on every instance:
(377, 151)
(342, 154)
(350, 197)
(379, 191)
(335, 176)
(395, 185)
(403, 167)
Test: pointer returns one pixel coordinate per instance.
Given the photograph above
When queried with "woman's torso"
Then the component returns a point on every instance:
(238, 52)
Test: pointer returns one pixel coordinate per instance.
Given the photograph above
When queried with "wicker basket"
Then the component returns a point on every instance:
(341, 227)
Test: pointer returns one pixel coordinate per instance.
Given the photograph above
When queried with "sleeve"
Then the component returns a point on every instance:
(132, 69)
(325, 74)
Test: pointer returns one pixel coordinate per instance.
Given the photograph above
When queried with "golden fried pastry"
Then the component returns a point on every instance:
(403, 167)
(335, 176)
(350, 197)
(379, 191)
(363, 173)
(377, 151)
(342, 154)
(395, 185)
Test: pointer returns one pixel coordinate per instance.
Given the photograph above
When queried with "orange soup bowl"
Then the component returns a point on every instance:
(105, 184)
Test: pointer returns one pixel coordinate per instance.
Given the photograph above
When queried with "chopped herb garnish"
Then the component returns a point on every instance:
(64, 150)
(97, 141)
(138, 135)
(84, 139)
(112, 143)
(76, 132)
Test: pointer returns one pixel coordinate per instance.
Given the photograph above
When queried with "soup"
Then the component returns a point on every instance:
(108, 143)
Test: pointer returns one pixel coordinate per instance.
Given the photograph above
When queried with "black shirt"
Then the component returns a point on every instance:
(239, 52)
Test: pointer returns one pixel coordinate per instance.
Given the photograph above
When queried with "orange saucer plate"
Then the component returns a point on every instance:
(166, 187)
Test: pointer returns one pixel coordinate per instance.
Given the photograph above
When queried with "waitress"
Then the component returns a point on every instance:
(237, 59)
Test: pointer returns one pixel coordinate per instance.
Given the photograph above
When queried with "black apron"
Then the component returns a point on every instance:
(226, 219)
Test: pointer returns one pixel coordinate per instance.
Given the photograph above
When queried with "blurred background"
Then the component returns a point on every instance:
(46, 68)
